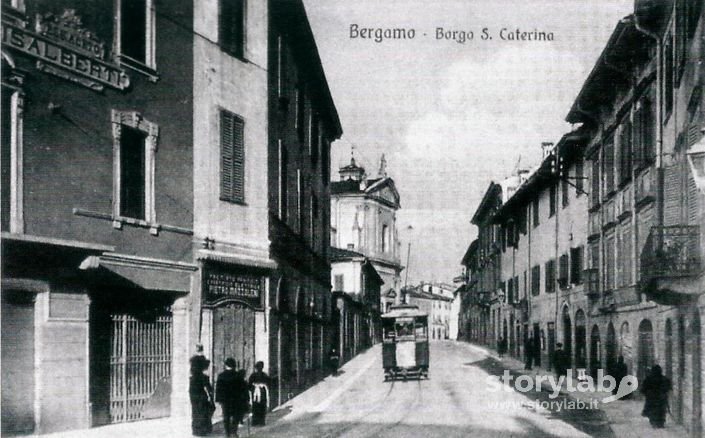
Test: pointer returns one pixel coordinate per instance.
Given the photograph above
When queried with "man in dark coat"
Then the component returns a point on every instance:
(655, 389)
(501, 346)
(528, 352)
(231, 391)
(259, 385)
(619, 371)
(560, 361)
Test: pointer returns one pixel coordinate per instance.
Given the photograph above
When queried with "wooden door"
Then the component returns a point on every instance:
(17, 365)
(234, 336)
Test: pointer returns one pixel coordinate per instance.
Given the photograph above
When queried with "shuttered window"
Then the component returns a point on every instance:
(232, 157)
(338, 280)
(551, 276)
(608, 166)
(563, 265)
(576, 265)
(595, 183)
(535, 280)
(691, 188)
(579, 176)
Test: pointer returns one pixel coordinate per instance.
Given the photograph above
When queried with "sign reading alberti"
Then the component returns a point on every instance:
(220, 283)
(64, 48)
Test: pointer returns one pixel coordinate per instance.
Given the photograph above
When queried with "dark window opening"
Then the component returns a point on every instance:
(232, 27)
(576, 265)
(283, 184)
(535, 210)
(535, 280)
(133, 29)
(552, 200)
(551, 276)
(132, 173)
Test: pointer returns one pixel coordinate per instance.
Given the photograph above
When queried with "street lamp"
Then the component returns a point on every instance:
(696, 160)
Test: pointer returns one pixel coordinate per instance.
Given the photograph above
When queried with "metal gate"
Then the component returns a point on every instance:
(140, 359)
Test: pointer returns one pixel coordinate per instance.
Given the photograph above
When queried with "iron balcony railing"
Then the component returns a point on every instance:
(671, 251)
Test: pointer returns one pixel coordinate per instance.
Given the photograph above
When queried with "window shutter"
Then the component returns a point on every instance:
(692, 189)
(239, 160)
(232, 158)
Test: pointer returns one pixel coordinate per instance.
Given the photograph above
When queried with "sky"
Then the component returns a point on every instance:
(450, 117)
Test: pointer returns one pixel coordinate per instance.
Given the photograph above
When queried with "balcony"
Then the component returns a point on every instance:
(670, 259)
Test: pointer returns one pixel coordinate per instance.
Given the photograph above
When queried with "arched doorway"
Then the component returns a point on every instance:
(695, 350)
(668, 342)
(595, 351)
(610, 347)
(580, 340)
(646, 349)
(567, 337)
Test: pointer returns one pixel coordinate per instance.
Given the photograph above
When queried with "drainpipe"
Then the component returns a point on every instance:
(659, 127)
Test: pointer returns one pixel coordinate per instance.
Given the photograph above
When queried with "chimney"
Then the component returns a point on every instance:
(546, 148)
(351, 246)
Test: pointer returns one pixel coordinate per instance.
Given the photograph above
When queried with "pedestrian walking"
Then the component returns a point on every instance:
(560, 361)
(655, 389)
(528, 352)
(259, 385)
(201, 397)
(618, 372)
(232, 392)
(333, 361)
(501, 346)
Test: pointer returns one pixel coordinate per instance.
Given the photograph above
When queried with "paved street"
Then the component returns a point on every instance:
(454, 402)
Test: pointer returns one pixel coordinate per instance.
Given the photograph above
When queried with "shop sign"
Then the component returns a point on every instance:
(62, 47)
(220, 283)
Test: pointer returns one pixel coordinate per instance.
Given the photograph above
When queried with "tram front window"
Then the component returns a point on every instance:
(404, 328)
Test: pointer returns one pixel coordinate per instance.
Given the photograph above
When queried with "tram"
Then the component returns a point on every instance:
(405, 343)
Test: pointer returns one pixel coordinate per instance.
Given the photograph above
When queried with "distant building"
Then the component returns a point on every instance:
(436, 305)
(450, 313)
(363, 219)
(356, 305)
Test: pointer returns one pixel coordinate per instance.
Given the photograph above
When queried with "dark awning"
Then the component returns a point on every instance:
(142, 273)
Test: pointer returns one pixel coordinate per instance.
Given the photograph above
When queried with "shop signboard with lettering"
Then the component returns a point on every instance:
(222, 283)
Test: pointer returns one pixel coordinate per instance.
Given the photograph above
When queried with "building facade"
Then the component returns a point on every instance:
(602, 244)
(436, 305)
(363, 219)
(356, 307)
(303, 122)
(150, 203)
(645, 210)
(97, 212)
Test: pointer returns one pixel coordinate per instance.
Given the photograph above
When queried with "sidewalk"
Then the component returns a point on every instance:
(624, 416)
(314, 399)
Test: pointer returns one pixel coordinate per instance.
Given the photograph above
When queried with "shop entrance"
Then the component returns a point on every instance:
(131, 354)
(234, 336)
(17, 362)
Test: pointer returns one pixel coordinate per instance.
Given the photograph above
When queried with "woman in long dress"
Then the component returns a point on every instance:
(201, 396)
(259, 385)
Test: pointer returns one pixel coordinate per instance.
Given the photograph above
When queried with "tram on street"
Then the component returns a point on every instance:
(405, 343)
